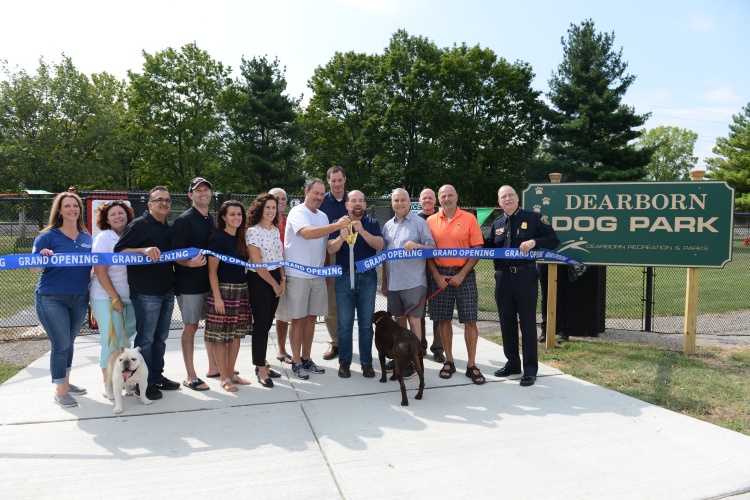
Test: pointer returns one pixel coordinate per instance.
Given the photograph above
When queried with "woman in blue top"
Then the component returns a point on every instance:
(62, 295)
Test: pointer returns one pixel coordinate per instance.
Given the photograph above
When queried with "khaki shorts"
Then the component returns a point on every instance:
(306, 297)
(281, 314)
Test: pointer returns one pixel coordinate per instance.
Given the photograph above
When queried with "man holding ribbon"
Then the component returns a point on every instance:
(454, 228)
(356, 290)
(152, 287)
(307, 296)
(516, 290)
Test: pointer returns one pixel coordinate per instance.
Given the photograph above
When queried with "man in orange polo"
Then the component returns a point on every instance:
(454, 228)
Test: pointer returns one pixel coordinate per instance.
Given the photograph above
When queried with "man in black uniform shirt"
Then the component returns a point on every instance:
(516, 290)
(151, 287)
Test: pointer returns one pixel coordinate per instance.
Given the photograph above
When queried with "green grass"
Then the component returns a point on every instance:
(17, 289)
(711, 386)
(7, 370)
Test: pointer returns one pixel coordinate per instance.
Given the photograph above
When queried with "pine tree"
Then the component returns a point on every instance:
(589, 128)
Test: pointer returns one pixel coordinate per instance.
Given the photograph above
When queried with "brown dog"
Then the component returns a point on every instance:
(402, 346)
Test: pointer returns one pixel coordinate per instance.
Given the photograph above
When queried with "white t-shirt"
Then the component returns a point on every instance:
(269, 242)
(299, 250)
(105, 242)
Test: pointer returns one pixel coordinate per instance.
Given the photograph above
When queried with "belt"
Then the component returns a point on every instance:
(516, 269)
(451, 268)
(363, 272)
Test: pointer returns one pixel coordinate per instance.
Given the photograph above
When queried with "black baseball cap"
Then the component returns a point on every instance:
(198, 181)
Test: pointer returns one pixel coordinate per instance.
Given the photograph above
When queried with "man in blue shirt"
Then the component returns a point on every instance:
(369, 241)
(334, 206)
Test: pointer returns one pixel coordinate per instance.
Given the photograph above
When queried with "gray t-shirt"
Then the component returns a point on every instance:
(409, 273)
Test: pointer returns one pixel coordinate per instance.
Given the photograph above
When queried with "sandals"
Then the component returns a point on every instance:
(240, 381)
(228, 386)
(217, 375)
(475, 375)
(196, 384)
(449, 368)
(286, 358)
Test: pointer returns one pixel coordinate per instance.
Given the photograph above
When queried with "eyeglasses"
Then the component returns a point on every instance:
(161, 200)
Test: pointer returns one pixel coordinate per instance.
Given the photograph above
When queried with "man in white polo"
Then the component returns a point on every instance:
(305, 242)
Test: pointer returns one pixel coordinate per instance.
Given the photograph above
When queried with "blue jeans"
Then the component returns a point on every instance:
(362, 298)
(61, 317)
(153, 315)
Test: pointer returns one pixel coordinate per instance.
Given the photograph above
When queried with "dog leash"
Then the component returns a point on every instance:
(447, 279)
(112, 333)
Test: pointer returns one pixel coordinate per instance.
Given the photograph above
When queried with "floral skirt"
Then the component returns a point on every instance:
(237, 320)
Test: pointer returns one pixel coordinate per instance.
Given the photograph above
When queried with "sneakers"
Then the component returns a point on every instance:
(312, 367)
(66, 401)
(409, 372)
(389, 366)
(299, 371)
(75, 390)
(166, 385)
(152, 392)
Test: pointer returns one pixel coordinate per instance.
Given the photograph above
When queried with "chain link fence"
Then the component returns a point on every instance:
(637, 298)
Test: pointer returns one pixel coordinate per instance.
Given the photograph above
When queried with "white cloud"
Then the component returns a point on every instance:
(723, 94)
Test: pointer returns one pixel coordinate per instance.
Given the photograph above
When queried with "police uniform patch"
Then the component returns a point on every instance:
(499, 231)
(545, 220)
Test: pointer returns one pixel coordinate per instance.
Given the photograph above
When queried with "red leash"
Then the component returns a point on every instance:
(447, 278)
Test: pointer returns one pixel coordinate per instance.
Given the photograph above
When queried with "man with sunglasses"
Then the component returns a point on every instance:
(151, 287)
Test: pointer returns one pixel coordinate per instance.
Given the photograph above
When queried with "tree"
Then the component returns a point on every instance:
(175, 108)
(672, 158)
(495, 122)
(589, 129)
(263, 146)
(58, 128)
(733, 163)
(340, 122)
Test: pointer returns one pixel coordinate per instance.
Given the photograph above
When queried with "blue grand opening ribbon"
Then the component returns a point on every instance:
(464, 253)
(34, 260)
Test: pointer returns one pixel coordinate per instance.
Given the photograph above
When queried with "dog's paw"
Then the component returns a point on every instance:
(383, 380)
(146, 401)
(129, 392)
(117, 410)
(111, 397)
(404, 403)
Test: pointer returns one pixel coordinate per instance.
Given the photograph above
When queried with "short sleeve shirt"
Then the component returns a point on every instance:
(63, 280)
(105, 242)
(460, 232)
(406, 274)
(361, 249)
(299, 250)
(226, 244)
(269, 242)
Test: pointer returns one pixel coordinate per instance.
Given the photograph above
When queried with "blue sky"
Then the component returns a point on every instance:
(690, 57)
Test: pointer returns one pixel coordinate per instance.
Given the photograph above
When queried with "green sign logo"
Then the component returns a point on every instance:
(678, 224)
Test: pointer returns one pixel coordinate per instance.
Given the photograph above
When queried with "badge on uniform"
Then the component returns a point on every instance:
(524, 225)
(545, 220)
(499, 231)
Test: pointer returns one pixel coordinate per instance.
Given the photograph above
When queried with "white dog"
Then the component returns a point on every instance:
(125, 369)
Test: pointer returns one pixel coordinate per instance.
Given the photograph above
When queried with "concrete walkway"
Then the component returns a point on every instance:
(330, 438)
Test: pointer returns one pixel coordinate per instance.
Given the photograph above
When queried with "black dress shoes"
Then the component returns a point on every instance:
(527, 380)
(506, 372)
(344, 370)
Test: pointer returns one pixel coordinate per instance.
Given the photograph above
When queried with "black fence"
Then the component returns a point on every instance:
(635, 298)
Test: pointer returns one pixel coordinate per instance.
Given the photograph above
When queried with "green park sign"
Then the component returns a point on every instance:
(676, 224)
